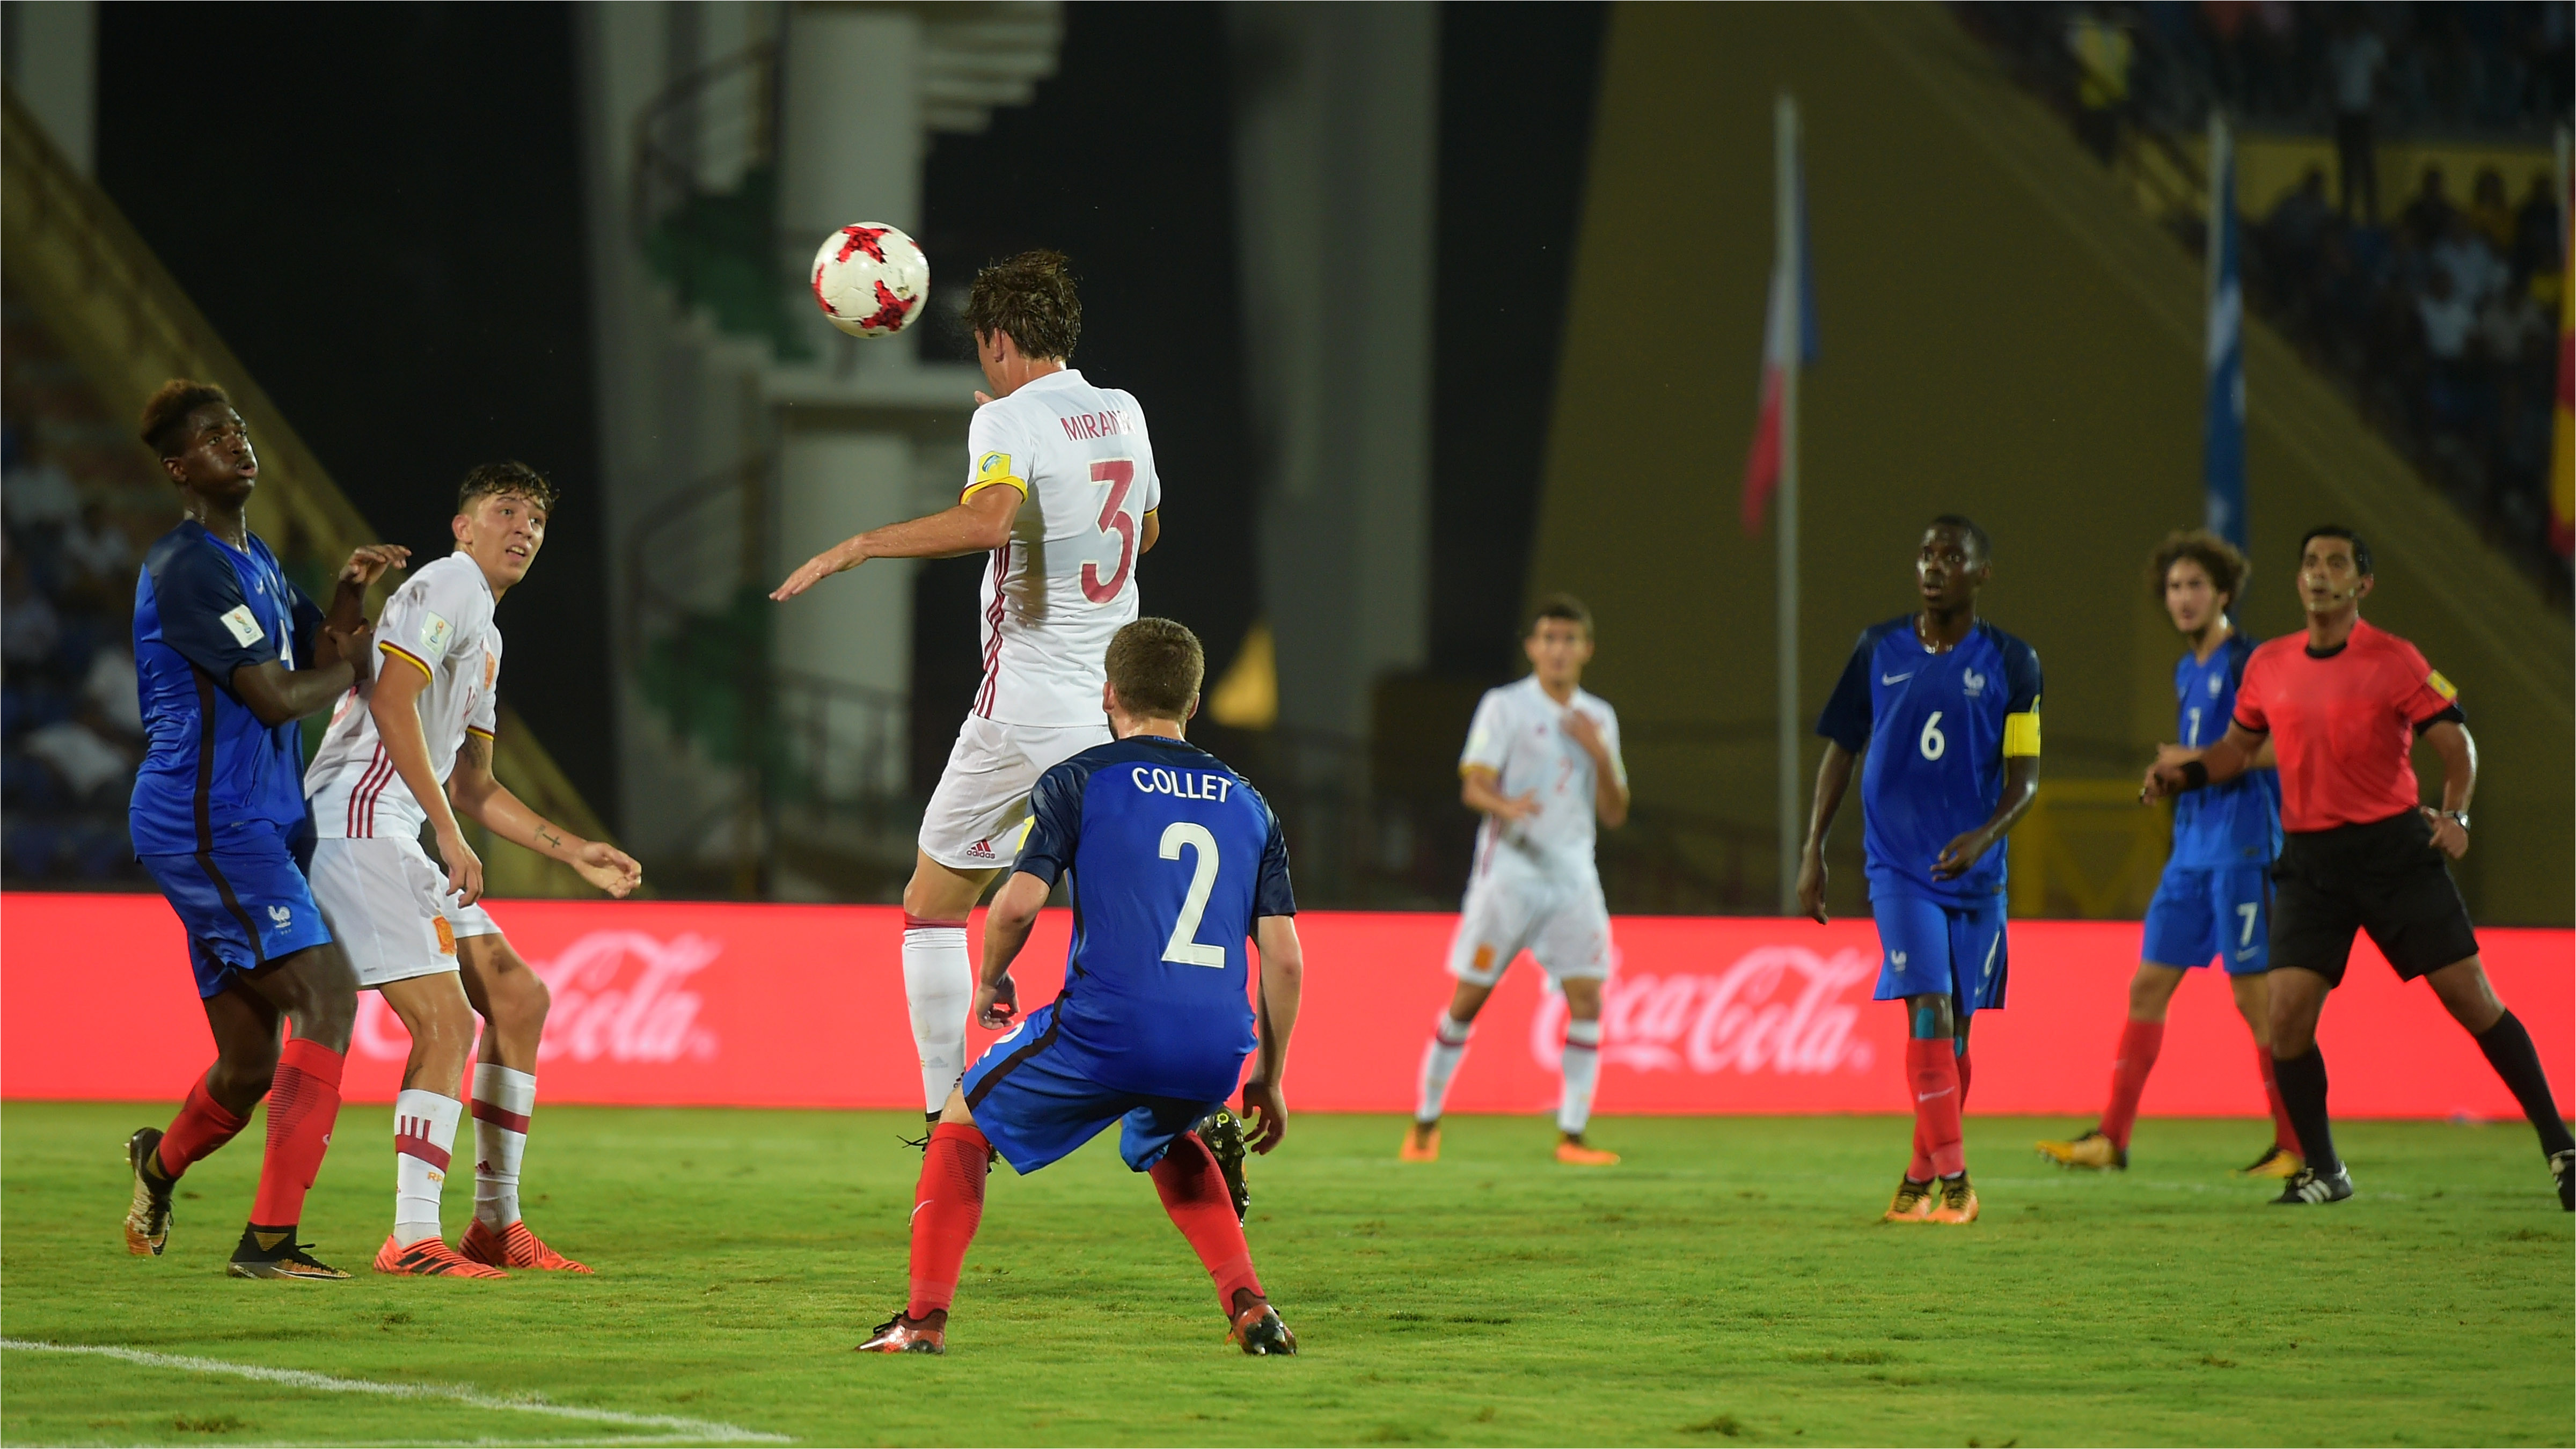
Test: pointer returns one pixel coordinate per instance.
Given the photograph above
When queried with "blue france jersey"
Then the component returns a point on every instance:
(1933, 731)
(2238, 823)
(203, 609)
(1173, 858)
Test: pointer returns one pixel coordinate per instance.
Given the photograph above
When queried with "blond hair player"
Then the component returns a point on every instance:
(1061, 490)
(1542, 765)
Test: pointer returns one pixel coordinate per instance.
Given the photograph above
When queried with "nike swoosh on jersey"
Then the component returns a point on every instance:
(1896, 678)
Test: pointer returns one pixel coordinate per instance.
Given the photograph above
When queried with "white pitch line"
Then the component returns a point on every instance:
(454, 1393)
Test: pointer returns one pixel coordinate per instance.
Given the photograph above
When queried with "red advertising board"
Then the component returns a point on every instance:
(802, 1006)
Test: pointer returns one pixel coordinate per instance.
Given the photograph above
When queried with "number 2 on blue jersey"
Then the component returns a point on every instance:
(1185, 947)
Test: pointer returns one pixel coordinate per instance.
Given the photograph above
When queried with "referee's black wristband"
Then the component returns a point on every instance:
(2194, 774)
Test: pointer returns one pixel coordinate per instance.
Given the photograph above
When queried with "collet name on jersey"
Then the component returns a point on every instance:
(1188, 784)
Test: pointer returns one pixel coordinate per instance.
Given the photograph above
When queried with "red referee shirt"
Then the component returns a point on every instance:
(2343, 726)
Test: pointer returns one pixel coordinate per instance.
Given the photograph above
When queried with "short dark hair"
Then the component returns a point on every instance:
(1559, 606)
(167, 411)
(1156, 666)
(487, 480)
(1031, 297)
(1985, 546)
(2226, 566)
(2360, 550)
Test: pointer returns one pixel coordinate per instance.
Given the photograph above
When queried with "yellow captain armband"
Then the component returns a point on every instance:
(2021, 734)
(992, 468)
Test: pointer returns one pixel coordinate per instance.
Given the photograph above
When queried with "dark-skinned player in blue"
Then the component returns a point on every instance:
(228, 655)
(1942, 711)
(1175, 862)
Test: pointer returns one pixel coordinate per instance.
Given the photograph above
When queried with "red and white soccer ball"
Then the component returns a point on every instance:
(870, 279)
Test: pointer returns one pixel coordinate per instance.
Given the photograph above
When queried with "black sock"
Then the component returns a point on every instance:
(2302, 1080)
(2509, 1051)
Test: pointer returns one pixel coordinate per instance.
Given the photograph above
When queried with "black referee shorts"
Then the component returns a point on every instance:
(2385, 878)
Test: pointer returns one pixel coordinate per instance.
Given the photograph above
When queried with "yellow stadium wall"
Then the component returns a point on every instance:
(2003, 335)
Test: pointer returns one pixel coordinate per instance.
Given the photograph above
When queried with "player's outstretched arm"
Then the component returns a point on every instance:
(1007, 922)
(479, 796)
(1283, 986)
(2237, 751)
(1833, 779)
(277, 694)
(978, 525)
(395, 706)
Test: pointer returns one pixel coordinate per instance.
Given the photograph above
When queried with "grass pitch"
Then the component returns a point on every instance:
(1728, 1285)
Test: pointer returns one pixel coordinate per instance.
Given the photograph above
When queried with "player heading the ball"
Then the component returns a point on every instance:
(412, 744)
(2217, 885)
(1945, 708)
(228, 655)
(1060, 488)
(1542, 766)
(1175, 861)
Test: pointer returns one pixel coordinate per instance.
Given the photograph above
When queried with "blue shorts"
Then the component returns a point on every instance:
(1932, 948)
(1034, 1109)
(2223, 911)
(244, 906)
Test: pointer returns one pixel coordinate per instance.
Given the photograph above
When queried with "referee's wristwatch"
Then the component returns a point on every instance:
(2462, 816)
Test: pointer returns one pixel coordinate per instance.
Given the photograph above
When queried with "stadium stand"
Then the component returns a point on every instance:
(2432, 308)
(93, 324)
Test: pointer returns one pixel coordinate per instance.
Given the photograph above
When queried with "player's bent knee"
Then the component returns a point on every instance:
(954, 1110)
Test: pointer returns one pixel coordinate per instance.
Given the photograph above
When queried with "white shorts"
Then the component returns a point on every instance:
(1562, 921)
(388, 906)
(981, 808)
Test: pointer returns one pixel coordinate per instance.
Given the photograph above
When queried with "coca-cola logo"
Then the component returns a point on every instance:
(618, 995)
(1776, 1009)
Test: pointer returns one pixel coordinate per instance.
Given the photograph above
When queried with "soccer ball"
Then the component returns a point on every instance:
(870, 279)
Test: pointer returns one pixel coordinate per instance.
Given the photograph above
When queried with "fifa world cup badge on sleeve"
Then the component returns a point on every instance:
(434, 632)
(244, 627)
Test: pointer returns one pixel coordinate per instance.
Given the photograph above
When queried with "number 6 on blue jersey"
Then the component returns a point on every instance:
(1185, 947)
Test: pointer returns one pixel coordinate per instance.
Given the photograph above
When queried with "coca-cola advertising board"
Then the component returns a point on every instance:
(802, 1006)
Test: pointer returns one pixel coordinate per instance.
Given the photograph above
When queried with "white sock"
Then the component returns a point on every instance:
(503, 1101)
(424, 1131)
(1440, 1061)
(938, 984)
(1582, 1067)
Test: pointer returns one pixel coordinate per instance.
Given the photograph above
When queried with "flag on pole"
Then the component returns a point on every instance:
(1788, 340)
(2562, 423)
(2222, 464)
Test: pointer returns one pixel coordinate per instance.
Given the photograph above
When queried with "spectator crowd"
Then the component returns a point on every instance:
(2437, 310)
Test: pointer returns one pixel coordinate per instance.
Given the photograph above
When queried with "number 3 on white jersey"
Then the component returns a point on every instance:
(1185, 947)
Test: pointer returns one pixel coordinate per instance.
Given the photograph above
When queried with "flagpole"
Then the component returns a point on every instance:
(1790, 261)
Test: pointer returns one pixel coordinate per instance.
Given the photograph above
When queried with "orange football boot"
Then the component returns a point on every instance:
(1912, 1203)
(1421, 1143)
(429, 1258)
(1260, 1332)
(1573, 1153)
(513, 1247)
(904, 1335)
(1958, 1202)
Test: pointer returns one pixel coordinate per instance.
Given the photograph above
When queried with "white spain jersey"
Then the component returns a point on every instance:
(1066, 582)
(1519, 734)
(440, 623)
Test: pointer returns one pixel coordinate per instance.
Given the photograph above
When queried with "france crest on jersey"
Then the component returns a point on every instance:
(1933, 730)
(2237, 823)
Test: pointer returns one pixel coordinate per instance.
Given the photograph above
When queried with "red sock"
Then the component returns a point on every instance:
(2139, 1043)
(1920, 1168)
(1963, 1077)
(204, 1124)
(303, 1103)
(1194, 1194)
(2285, 1135)
(1933, 1069)
(947, 1207)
